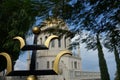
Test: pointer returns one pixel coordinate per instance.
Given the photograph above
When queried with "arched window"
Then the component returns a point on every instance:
(75, 64)
(62, 61)
(53, 43)
(72, 64)
(65, 41)
(52, 63)
(59, 43)
(48, 65)
(40, 40)
(46, 37)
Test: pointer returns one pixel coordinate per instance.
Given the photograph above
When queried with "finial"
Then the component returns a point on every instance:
(31, 77)
(36, 30)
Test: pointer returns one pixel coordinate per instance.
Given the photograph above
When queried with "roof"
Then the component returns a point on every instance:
(54, 22)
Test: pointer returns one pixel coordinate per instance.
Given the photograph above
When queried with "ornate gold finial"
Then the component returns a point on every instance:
(31, 77)
(36, 30)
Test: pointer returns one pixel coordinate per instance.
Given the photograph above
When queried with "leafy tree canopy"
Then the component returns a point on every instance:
(16, 17)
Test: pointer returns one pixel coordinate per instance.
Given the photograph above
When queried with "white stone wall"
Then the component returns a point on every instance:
(66, 63)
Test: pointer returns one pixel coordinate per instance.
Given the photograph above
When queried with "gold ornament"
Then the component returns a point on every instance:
(57, 60)
(47, 42)
(21, 40)
(36, 30)
(31, 77)
(9, 61)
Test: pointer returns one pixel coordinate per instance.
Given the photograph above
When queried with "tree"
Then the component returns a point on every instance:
(110, 10)
(93, 42)
(116, 76)
(95, 26)
(102, 61)
(81, 11)
(16, 17)
(93, 16)
(84, 15)
(112, 42)
(103, 14)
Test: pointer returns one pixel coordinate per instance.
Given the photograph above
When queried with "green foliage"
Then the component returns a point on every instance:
(102, 17)
(96, 16)
(16, 17)
(116, 76)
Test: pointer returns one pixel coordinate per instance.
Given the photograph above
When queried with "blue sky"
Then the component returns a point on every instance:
(90, 61)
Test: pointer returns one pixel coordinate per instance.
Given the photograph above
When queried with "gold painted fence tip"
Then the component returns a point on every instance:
(47, 42)
(31, 77)
(9, 61)
(57, 60)
(36, 30)
(21, 40)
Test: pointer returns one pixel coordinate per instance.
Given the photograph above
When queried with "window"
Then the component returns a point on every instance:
(62, 61)
(59, 42)
(40, 40)
(48, 64)
(72, 64)
(53, 43)
(75, 64)
(65, 42)
(52, 63)
(46, 37)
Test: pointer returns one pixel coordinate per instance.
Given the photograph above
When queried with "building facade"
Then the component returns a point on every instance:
(70, 67)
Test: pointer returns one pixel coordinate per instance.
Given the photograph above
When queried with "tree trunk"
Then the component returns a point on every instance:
(117, 61)
(102, 61)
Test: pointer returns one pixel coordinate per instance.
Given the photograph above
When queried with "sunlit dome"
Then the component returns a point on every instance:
(53, 22)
